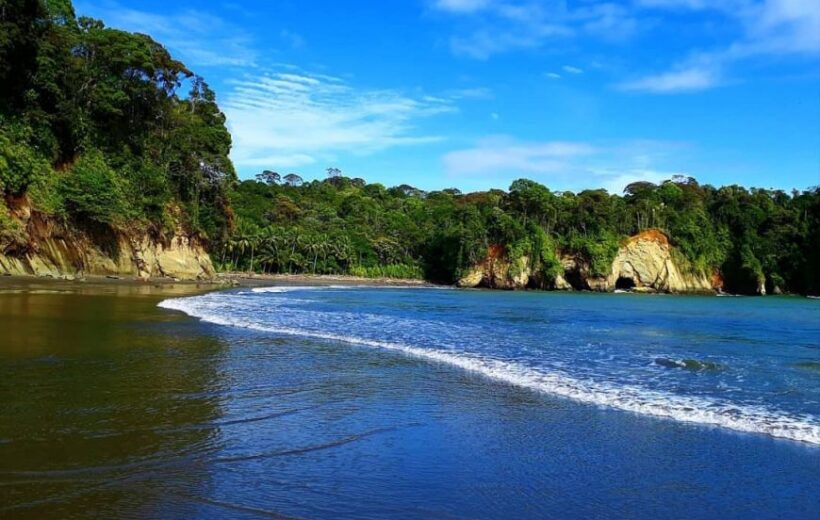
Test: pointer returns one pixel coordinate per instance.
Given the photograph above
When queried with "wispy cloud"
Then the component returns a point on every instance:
(688, 79)
(197, 37)
(286, 119)
(461, 6)
(477, 93)
(565, 164)
(769, 28)
(572, 70)
(497, 26)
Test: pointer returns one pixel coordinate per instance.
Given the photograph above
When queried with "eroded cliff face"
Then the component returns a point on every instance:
(49, 248)
(644, 263)
(498, 272)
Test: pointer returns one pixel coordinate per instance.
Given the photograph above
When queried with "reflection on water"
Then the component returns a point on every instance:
(112, 408)
(96, 401)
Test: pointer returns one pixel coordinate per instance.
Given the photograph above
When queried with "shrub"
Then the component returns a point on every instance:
(92, 191)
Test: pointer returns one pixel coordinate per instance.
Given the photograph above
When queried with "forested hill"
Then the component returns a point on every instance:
(750, 238)
(108, 144)
(103, 129)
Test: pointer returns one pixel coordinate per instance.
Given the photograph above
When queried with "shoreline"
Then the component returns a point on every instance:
(218, 282)
(256, 280)
(229, 280)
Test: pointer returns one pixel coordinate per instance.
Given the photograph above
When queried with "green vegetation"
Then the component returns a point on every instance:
(94, 132)
(343, 225)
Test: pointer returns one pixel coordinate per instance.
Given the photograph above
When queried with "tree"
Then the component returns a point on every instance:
(292, 179)
(269, 177)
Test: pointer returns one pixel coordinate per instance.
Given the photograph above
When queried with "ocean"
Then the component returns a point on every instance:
(383, 402)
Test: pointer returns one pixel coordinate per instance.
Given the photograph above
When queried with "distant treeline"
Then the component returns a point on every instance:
(94, 133)
(343, 225)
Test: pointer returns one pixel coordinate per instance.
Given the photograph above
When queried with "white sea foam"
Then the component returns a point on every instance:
(291, 288)
(284, 288)
(688, 409)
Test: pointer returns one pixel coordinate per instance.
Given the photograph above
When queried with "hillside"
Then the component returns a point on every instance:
(106, 140)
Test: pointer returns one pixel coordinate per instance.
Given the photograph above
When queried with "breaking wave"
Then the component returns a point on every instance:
(222, 310)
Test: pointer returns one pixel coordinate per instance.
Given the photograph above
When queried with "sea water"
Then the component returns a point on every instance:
(400, 403)
(745, 364)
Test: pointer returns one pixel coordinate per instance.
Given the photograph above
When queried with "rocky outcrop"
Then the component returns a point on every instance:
(51, 249)
(498, 272)
(644, 263)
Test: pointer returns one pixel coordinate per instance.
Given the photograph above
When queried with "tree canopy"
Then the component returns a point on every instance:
(94, 127)
(750, 236)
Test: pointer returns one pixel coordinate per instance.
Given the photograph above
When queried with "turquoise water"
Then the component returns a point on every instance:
(744, 364)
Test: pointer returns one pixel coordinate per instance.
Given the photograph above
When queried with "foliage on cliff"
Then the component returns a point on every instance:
(93, 129)
(339, 225)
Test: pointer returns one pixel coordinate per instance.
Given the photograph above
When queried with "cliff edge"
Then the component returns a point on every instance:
(47, 247)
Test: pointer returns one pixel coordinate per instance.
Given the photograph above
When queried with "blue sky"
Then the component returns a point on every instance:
(476, 93)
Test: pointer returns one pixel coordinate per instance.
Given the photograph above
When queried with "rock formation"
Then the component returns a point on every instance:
(52, 249)
(644, 263)
(498, 272)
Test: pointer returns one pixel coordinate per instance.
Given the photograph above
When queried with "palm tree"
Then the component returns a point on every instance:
(247, 239)
(317, 245)
(342, 249)
(268, 256)
(271, 241)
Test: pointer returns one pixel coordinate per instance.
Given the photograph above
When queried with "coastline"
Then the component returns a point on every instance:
(228, 280)
(164, 286)
(255, 280)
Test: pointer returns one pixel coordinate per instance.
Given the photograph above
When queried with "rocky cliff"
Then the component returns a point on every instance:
(45, 247)
(644, 263)
(498, 272)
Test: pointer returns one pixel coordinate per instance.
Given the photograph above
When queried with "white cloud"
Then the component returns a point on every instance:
(565, 164)
(685, 80)
(461, 6)
(290, 119)
(553, 75)
(769, 28)
(497, 26)
(572, 70)
(785, 26)
(719, 5)
(471, 93)
(484, 43)
(499, 154)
